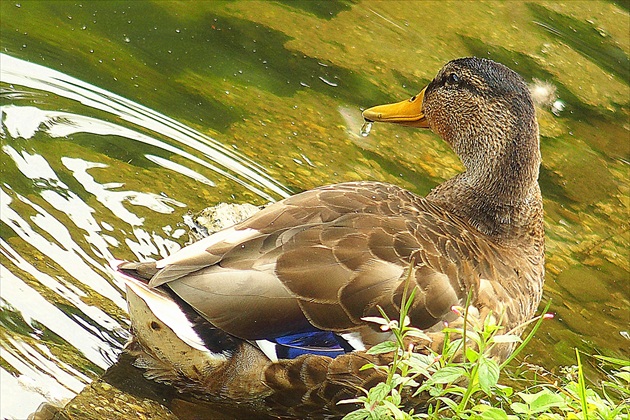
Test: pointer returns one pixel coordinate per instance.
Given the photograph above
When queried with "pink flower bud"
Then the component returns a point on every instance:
(457, 310)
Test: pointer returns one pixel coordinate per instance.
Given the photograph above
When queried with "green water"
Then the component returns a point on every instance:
(250, 101)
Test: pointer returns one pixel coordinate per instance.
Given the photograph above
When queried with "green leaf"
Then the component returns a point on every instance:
(623, 375)
(418, 334)
(504, 390)
(360, 414)
(471, 354)
(622, 390)
(423, 359)
(368, 366)
(404, 380)
(448, 374)
(433, 391)
(519, 408)
(384, 347)
(375, 319)
(359, 400)
(542, 401)
(449, 402)
(379, 392)
(395, 397)
(375, 367)
(490, 413)
(474, 336)
(392, 409)
(488, 374)
(581, 384)
(612, 360)
(451, 330)
(380, 413)
(506, 338)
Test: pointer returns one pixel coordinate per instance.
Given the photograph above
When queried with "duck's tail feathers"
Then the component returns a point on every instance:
(139, 271)
(159, 316)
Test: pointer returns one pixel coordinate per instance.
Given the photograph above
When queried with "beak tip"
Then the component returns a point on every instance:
(371, 116)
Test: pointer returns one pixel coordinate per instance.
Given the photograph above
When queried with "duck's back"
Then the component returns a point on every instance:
(327, 257)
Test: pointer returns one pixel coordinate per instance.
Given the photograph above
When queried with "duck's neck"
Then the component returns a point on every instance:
(502, 199)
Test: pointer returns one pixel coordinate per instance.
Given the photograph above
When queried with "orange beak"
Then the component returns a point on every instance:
(407, 112)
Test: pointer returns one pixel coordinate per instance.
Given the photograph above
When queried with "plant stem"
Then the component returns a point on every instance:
(470, 388)
(581, 386)
(468, 299)
(539, 320)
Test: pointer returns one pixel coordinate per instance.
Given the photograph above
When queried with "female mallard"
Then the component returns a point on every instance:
(274, 305)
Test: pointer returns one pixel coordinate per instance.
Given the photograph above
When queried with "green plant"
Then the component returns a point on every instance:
(572, 397)
(463, 381)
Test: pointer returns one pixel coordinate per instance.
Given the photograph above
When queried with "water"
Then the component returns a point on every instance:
(59, 232)
(157, 109)
(366, 128)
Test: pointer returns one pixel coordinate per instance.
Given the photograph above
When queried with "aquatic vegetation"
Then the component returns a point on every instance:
(464, 381)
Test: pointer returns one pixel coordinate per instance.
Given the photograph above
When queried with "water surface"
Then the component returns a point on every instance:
(119, 118)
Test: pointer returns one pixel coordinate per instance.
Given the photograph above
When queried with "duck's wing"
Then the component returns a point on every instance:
(325, 259)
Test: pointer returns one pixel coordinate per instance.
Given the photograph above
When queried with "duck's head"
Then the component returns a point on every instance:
(481, 108)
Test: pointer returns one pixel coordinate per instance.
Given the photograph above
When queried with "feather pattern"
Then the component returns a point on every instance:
(287, 288)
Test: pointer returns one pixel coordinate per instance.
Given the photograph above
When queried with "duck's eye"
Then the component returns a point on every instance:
(452, 79)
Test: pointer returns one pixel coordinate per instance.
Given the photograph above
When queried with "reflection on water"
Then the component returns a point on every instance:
(88, 175)
(63, 317)
(25, 121)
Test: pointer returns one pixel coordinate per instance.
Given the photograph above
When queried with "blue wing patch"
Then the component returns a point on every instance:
(323, 343)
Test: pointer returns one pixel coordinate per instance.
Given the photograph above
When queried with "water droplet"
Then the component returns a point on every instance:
(557, 107)
(366, 128)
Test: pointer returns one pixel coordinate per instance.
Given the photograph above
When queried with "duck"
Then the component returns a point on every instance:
(271, 312)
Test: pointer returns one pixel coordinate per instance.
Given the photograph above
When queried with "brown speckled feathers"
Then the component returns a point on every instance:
(323, 259)
(330, 255)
